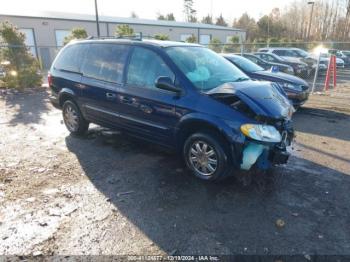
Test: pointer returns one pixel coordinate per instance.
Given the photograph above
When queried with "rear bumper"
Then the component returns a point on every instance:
(54, 100)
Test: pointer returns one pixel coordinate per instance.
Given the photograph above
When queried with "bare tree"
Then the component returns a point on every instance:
(189, 11)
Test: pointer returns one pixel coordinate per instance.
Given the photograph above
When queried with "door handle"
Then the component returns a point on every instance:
(146, 109)
(79, 85)
(127, 100)
(111, 96)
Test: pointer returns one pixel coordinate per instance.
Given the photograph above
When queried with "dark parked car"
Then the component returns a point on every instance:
(179, 95)
(268, 65)
(346, 57)
(296, 88)
(300, 68)
(341, 55)
(2, 72)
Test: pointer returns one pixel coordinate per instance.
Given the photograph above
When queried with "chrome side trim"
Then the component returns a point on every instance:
(101, 110)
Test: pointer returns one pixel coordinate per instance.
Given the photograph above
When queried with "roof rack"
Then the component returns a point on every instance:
(131, 37)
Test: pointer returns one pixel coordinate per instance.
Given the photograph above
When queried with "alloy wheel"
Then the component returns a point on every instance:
(71, 118)
(203, 158)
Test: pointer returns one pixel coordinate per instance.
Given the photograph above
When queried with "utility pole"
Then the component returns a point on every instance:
(97, 22)
(311, 13)
(268, 31)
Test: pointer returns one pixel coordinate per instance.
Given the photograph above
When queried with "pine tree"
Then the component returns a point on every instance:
(134, 15)
(189, 11)
(170, 17)
(207, 20)
(191, 39)
(221, 21)
(21, 68)
(215, 45)
(76, 33)
(161, 37)
(124, 30)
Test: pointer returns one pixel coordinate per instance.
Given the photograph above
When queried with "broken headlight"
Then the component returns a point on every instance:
(264, 133)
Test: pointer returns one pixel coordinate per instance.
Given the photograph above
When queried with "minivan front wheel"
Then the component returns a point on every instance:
(73, 119)
(205, 157)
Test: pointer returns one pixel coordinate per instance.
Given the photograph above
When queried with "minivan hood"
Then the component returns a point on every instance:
(278, 77)
(261, 97)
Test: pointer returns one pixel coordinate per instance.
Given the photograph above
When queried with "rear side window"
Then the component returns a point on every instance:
(253, 59)
(145, 67)
(70, 58)
(268, 58)
(279, 52)
(105, 62)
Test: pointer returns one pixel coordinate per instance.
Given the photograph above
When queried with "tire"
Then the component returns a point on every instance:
(73, 119)
(204, 167)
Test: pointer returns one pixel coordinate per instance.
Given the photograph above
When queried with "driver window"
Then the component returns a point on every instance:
(145, 67)
(269, 58)
(253, 59)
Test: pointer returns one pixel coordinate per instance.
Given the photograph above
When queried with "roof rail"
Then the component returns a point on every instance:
(131, 37)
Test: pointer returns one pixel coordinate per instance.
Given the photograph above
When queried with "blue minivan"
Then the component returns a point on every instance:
(182, 96)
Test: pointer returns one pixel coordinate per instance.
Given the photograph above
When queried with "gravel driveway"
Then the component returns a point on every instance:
(109, 194)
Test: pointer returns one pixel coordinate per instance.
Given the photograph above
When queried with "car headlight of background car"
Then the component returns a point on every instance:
(289, 70)
(301, 66)
(264, 133)
(291, 87)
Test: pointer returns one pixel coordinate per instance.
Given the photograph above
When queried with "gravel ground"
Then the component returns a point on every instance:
(109, 194)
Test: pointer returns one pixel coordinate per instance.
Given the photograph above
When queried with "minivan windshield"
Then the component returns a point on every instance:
(203, 67)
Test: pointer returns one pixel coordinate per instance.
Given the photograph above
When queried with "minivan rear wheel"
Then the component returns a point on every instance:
(73, 119)
(205, 157)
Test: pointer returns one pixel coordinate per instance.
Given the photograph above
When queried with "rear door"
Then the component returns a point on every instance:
(102, 77)
(65, 71)
(146, 110)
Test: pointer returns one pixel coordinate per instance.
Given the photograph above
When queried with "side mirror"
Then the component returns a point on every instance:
(165, 83)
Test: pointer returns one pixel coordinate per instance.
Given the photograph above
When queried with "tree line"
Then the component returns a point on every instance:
(326, 19)
(330, 20)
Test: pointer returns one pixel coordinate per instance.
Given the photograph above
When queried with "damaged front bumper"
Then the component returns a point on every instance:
(263, 156)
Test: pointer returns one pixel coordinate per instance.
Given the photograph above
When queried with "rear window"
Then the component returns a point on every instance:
(70, 58)
(105, 62)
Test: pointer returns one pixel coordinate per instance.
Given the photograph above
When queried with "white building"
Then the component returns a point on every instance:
(45, 31)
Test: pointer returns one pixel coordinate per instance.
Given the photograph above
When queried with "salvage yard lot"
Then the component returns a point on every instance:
(109, 194)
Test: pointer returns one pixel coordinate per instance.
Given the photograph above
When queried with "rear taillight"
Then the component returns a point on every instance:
(49, 79)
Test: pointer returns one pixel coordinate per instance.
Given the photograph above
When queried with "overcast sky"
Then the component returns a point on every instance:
(145, 9)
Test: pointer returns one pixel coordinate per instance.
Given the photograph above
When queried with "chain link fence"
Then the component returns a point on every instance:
(316, 79)
(254, 47)
(46, 54)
